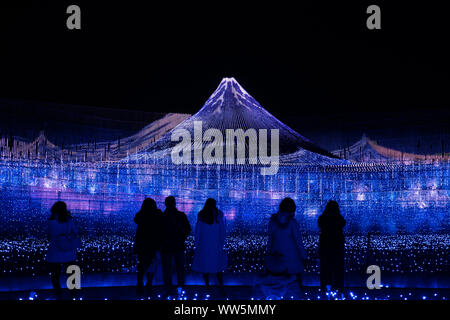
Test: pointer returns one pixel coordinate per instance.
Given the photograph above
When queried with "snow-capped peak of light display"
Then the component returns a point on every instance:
(230, 85)
(230, 106)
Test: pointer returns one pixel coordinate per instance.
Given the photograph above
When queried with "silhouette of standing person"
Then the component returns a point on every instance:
(210, 232)
(176, 229)
(64, 241)
(285, 240)
(331, 247)
(147, 242)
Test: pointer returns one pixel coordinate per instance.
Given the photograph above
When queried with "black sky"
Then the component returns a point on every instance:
(295, 60)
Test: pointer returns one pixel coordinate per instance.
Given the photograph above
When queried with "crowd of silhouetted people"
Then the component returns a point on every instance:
(161, 236)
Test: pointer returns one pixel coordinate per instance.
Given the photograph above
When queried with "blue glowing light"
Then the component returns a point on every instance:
(408, 204)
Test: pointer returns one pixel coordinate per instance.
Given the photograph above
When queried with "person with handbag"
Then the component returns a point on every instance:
(286, 253)
(64, 242)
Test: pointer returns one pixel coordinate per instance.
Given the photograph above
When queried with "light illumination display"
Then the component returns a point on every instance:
(406, 205)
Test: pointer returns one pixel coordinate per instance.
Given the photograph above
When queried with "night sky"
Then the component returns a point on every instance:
(305, 61)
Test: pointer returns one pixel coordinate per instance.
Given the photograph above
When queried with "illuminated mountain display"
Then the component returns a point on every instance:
(367, 150)
(231, 107)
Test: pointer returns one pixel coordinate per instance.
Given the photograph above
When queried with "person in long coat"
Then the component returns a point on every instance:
(147, 241)
(331, 247)
(64, 242)
(176, 229)
(210, 233)
(285, 240)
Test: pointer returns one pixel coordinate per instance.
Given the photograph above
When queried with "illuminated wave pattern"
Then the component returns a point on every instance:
(384, 198)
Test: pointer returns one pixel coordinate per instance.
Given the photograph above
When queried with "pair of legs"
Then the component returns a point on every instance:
(219, 276)
(332, 272)
(55, 275)
(166, 259)
(298, 276)
(146, 264)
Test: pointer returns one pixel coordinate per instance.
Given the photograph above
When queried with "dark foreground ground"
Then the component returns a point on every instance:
(231, 293)
(113, 286)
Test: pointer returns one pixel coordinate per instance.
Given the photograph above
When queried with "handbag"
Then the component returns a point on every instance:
(275, 263)
(68, 242)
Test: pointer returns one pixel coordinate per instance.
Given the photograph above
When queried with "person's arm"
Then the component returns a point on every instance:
(50, 233)
(73, 229)
(223, 230)
(343, 223)
(270, 238)
(187, 225)
(138, 217)
(197, 234)
(320, 222)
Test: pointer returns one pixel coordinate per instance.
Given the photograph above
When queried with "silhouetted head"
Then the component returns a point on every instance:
(209, 214)
(286, 212)
(59, 211)
(332, 209)
(149, 205)
(210, 204)
(287, 205)
(170, 202)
